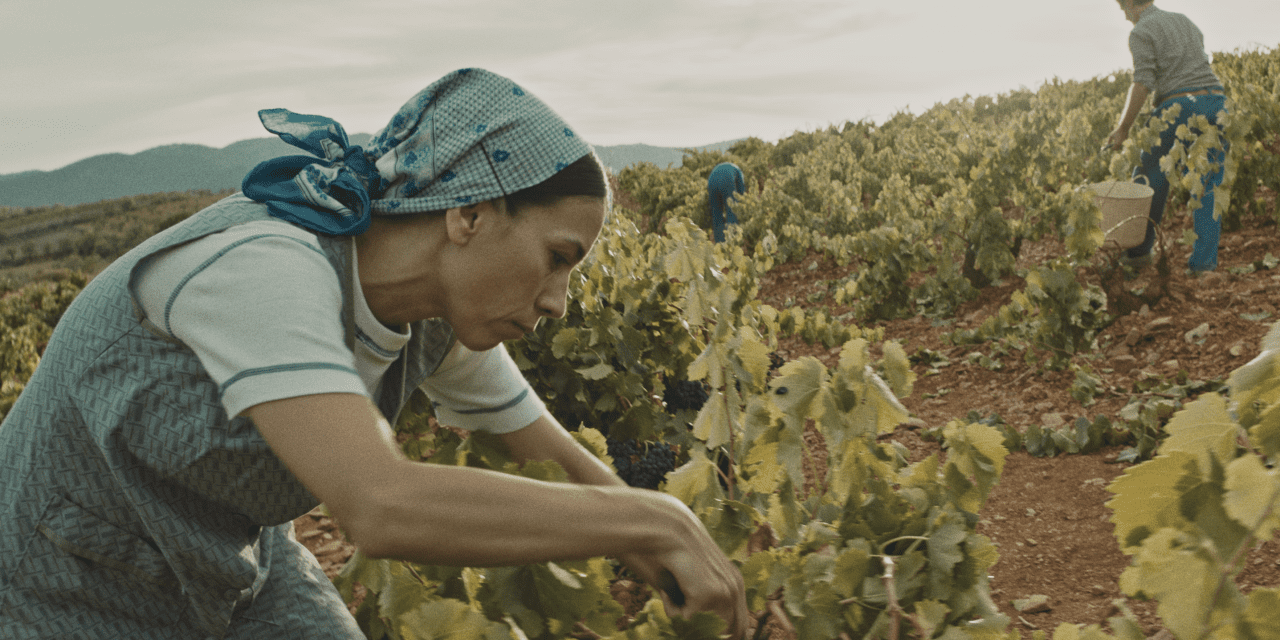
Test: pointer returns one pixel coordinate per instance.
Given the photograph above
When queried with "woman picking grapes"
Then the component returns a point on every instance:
(234, 371)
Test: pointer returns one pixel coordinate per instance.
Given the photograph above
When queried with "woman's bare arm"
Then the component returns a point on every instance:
(436, 514)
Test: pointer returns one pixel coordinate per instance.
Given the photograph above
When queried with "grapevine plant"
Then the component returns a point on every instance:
(842, 537)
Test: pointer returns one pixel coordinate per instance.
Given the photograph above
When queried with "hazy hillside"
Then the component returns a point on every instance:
(186, 167)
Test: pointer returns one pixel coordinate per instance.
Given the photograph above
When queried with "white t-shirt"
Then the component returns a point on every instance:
(258, 303)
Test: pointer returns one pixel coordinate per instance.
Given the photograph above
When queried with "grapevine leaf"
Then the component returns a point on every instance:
(544, 470)
(564, 577)
(712, 424)
(760, 424)
(593, 441)
(707, 361)
(598, 372)
(754, 358)
(849, 475)
(761, 575)
(1255, 383)
(784, 513)
(448, 620)
(880, 411)
(695, 307)
(1251, 496)
(792, 450)
(976, 453)
(1203, 429)
(897, 369)
(851, 568)
(1263, 613)
(731, 525)
(944, 553)
(1147, 497)
(764, 472)
(401, 592)
(853, 355)
(1182, 580)
(1272, 340)
(800, 388)
(564, 343)
(694, 482)
(1265, 434)
(685, 261)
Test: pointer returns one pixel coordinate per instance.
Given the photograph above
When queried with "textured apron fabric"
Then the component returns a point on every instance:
(132, 506)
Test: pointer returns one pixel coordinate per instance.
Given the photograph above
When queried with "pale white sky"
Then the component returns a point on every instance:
(84, 77)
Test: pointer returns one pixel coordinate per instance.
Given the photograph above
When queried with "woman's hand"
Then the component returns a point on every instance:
(1116, 140)
(684, 564)
(704, 578)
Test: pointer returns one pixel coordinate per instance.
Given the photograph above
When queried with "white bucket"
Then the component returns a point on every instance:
(1125, 210)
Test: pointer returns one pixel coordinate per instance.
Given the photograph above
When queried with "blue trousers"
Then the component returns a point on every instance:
(1204, 255)
(721, 215)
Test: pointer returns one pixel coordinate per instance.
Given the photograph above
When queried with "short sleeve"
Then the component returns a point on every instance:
(482, 391)
(1143, 49)
(261, 309)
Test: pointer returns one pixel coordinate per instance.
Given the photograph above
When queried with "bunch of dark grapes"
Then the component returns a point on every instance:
(775, 361)
(684, 394)
(641, 465)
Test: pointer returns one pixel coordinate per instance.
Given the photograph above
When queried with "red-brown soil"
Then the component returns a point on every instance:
(1048, 515)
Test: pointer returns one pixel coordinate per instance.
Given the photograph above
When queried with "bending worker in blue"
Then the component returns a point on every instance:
(726, 181)
(1170, 63)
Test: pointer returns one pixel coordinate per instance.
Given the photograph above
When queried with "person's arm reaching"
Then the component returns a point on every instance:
(1138, 93)
(459, 516)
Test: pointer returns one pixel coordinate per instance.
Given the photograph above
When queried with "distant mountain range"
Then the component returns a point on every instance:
(186, 167)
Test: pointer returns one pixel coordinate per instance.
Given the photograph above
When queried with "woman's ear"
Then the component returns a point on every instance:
(462, 223)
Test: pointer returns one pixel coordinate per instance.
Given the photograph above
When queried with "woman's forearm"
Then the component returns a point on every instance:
(471, 517)
(1138, 93)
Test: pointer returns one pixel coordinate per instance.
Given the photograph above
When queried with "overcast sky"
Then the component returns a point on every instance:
(84, 77)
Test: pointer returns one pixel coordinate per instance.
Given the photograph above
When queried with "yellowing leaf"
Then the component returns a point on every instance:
(693, 480)
(881, 405)
(712, 424)
(1263, 613)
(898, 369)
(1203, 429)
(853, 355)
(598, 372)
(764, 472)
(800, 388)
(1252, 493)
(754, 357)
(1147, 497)
(1182, 580)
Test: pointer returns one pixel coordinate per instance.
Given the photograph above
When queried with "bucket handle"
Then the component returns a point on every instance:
(1146, 182)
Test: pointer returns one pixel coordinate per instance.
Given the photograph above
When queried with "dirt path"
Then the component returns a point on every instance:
(1048, 514)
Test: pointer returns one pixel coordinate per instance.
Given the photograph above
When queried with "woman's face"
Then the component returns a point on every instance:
(514, 270)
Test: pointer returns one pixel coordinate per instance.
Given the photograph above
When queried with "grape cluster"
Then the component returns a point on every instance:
(642, 465)
(775, 361)
(684, 394)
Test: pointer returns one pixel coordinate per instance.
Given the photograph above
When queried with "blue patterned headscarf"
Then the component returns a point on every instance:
(471, 136)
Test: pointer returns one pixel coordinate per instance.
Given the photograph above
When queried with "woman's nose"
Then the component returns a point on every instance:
(552, 301)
